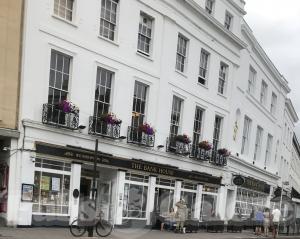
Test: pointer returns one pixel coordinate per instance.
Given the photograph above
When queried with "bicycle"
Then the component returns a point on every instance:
(103, 227)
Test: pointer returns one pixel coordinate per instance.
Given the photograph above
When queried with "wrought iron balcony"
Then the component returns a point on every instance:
(200, 154)
(178, 147)
(53, 115)
(99, 127)
(135, 136)
(218, 159)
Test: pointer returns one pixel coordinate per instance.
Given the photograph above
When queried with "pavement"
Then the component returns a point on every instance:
(61, 233)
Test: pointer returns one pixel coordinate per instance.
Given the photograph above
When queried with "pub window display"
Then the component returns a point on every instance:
(51, 190)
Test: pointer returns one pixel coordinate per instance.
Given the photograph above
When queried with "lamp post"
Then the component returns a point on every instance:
(91, 228)
(286, 183)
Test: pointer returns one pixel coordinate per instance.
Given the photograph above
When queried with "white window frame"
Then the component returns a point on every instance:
(258, 143)
(64, 9)
(179, 115)
(251, 80)
(273, 104)
(109, 21)
(203, 67)
(228, 22)
(217, 133)
(268, 149)
(223, 72)
(263, 92)
(53, 171)
(141, 34)
(181, 53)
(246, 135)
(209, 6)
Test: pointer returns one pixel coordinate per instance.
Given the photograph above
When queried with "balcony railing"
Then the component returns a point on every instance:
(177, 147)
(135, 136)
(99, 127)
(218, 159)
(200, 154)
(53, 115)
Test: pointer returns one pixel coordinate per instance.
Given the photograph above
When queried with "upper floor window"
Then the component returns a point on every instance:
(175, 116)
(228, 21)
(246, 135)
(59, 77)
(217, 132)
(181, 53)
(145, 33)
(273, 104)
(64, 9)
(108, 19)
(258, 141)
(209, 4)
(222, 78)
(251, 80)
(197, 126)
(203, 69)
(139, 104)
(268, 149)
(263, 92)
(103, 91)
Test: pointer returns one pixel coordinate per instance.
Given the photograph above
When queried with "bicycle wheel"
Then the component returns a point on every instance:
(77, 231)
(103, 228)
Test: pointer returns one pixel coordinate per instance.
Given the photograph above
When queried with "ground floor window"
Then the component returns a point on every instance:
(190, 200)
(135, 196)
(51, 188)
(208, 207)
(164, 200)
(247, 201)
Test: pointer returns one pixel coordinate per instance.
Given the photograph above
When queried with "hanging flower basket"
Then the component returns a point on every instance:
(147, 129)
(68, 107)
(183, 139)
(224, 152)
(205, 145)
(110, 118)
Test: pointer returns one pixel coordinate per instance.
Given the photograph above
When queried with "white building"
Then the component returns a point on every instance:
(181, 66)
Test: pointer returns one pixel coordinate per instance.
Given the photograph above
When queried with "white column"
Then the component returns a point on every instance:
(268, 205)
(198, 202)
(74, 184)
(221, 202)
(150, 198)
(14, 185)
(120, 196)
(230, 202)
(177, 192)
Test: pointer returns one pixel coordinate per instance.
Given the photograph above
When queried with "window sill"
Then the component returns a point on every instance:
(222, 95)
(181, 73)
(64, 20)
(110, 41)
(204, 86)
(144, 56)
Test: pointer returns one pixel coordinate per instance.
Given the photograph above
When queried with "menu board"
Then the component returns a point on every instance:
(45, 184)
(55, 184)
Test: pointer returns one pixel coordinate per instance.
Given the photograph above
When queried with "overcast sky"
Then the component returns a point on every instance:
(276, 25)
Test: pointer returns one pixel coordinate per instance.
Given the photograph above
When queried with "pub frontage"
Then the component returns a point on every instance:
(127, 189)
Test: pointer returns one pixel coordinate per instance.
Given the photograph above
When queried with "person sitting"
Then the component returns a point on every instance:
(169, 220)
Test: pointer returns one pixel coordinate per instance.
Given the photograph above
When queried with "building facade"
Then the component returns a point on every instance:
(10, 51)
(150, 80)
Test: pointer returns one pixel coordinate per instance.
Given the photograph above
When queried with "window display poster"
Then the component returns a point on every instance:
(55, 184)
(45, 184)
(27, 192)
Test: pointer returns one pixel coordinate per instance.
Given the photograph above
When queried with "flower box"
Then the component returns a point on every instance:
(110, 118)
(205, 145)
(147, 129)
(68, 107)
(182, 138)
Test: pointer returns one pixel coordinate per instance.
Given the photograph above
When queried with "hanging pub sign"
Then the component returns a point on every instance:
(238, 180)
(277, 192)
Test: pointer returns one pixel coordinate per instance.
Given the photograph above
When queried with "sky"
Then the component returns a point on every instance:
(276, 26)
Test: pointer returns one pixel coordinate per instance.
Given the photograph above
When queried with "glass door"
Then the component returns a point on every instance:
(164, 199)
(104, 198)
